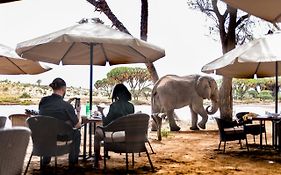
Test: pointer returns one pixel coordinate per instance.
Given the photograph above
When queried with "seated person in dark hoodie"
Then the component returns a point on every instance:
(55, 106)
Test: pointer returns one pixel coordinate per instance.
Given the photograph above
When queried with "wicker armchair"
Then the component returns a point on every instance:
(50, 136)
(228, 131)
(14, 142)
(127, 134)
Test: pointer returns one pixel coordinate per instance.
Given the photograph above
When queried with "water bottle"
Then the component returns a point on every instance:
(88, 109)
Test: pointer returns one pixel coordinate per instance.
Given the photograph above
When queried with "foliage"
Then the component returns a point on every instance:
(253, 93)
(9, 100)
(165, 133)
(245, 26)
(265, 95)
(137, 78)
(104, 86)
(25, 95)
(262, 88)
(146, 92)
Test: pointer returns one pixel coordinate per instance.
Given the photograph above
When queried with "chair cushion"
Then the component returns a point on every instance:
(115, 136)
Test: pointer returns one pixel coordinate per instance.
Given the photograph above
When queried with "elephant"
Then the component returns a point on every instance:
(173, 92)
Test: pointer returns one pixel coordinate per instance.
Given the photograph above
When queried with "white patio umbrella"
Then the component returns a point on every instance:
(90, 43)
(260, 57)
(12, 64)
(6, 1)
(269, 10)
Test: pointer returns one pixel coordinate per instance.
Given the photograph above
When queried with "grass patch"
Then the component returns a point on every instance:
(165, 133)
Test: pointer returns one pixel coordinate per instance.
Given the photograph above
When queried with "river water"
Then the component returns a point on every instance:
(183, 113)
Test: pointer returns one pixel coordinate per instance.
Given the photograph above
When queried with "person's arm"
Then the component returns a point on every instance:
(110, 115)
(75, 118)
(70, 100)
(78, 125)
(100, 109)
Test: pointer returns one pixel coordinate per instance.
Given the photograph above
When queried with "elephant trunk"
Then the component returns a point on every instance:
(214, 107)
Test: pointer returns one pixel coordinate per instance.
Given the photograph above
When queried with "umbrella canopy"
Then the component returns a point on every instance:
(255, 57)
(12, 64)
(6, 1)
(268, 10)
(71, 46)
(260, 57)
(90, 43)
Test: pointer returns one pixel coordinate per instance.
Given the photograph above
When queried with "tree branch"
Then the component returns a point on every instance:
(102, 6)
(241, 19)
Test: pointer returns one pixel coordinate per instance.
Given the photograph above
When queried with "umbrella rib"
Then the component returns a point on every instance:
(69, 48)
(104, 53)
(138, 53)
(257, 68)
(277, 17)
(16, 65)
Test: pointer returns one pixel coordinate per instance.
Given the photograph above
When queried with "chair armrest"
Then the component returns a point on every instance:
(113, 127)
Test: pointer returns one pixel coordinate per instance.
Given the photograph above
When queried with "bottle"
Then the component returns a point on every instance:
(88, 109)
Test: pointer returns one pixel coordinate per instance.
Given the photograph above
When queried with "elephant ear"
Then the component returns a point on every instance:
(203, 87)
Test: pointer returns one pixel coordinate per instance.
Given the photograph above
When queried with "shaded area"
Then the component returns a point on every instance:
(185, 152)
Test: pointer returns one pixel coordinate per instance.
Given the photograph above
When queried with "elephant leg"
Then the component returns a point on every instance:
(194, 120)
(204, 115)
(153, 125)
(172, 122)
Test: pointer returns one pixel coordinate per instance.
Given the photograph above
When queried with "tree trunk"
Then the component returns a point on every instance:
(228, 43)
(102, 6)
(144, 25)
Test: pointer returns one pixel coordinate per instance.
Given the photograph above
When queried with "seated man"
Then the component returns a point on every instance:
(120, 107)
(55, 106)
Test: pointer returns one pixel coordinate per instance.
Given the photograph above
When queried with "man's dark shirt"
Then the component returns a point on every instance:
(55, 106)
(118, 109)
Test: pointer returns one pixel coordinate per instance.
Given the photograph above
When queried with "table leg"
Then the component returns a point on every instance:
(90, 139)
(85, 141)
(261, 133)
(273, 135)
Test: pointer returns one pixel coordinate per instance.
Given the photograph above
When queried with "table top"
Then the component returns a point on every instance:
(86, 119)
(266, 117)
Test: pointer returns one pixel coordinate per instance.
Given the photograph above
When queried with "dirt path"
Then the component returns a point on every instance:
(186, 152)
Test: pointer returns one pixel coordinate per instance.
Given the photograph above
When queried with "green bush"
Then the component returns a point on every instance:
(253, 93)
(26, 102)
(9, 100)
(25, 95)
(265, 95)
(165, 133)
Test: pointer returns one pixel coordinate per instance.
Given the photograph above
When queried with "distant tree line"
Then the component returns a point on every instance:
(137, 79)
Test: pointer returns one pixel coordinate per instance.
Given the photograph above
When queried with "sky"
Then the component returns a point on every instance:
(182, 32)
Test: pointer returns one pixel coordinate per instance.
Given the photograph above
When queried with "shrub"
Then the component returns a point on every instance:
(25, 95)
(253, 93)
(265, 95)
(165, 133)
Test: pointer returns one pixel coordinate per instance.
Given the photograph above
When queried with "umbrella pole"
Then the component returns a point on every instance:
(276, 87)
(91, 76)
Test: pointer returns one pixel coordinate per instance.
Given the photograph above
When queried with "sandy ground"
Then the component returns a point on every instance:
(184, 152)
